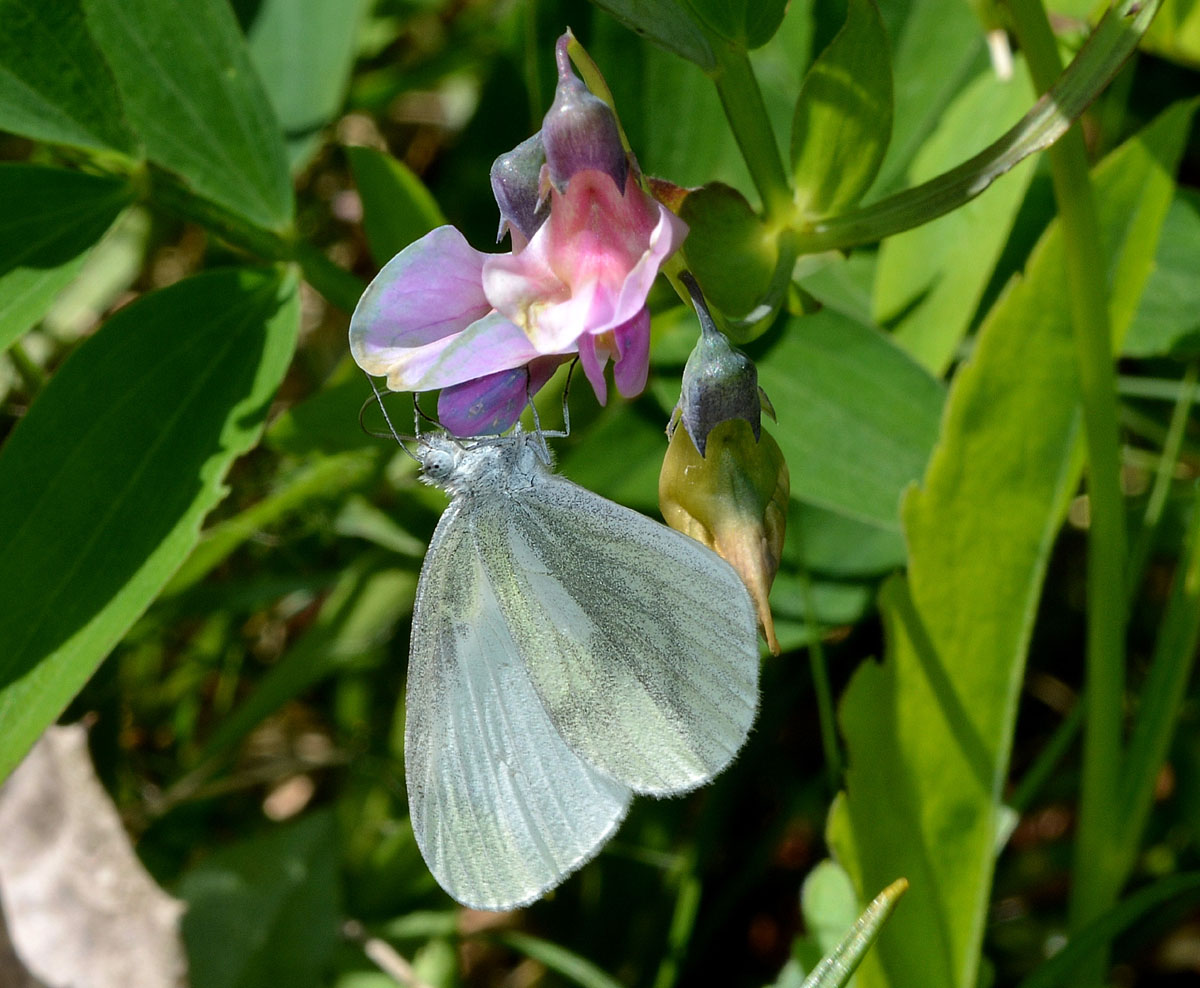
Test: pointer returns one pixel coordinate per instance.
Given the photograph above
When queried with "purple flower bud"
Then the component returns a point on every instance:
(516, 181)
(719, 382)
(580, 131)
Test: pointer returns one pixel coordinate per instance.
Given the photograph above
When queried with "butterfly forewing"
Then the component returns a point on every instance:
(501, 806)
(641, 643)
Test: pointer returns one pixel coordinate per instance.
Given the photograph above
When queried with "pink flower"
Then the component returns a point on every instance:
(489, 329)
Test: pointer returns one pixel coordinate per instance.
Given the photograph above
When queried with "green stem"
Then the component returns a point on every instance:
(742, 101)
(1096, 879)
(826, 714)
(1047, 760)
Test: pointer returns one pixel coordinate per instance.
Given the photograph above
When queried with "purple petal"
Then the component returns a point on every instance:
(593, 359)
(515, 184)
(633, 354)
(429, 291)
(491, 405)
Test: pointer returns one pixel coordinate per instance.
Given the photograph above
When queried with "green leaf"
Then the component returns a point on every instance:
(1169, 314)
(929, 730)
(937, 48)
(746, 24)
(670, 24)
(397, 207)
(51, 218)
(931, 278)
(728, 248)
(104, 483)
(857, 417)
(54, 83)
(195, 100)
(843, 115)
(304, 51)
(1089, 72)
(265, 912)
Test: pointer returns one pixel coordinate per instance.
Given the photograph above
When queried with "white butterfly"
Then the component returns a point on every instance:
(566, 653)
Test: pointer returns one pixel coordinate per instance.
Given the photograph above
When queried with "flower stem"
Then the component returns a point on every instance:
(1097, 874)
(742, 100)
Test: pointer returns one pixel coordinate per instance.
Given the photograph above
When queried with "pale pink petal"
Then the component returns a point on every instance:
(633, 354)
(521, 284)
(491, 405)
(431, 290)
(488, 345)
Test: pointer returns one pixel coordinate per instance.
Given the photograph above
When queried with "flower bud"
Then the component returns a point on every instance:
(580, 131)
(734, 500)
(516, 184)
(719, 382)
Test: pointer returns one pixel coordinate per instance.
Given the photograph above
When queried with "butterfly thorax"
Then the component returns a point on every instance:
(502, 463)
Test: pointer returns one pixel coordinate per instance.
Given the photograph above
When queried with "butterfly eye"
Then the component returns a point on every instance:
(438, 465)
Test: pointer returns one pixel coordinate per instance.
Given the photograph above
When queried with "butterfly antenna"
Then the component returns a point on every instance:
(392, 433)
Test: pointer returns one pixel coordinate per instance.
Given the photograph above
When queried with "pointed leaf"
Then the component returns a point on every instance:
(51, 218)
(104, 483)
(929, 730)
(748, 24)
(843, 116)
(195, 100)
(54, 83)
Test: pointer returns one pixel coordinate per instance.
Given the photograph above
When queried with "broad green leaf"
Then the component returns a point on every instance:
(839, 547)
(51, 218)
(1169, 314)
(857, 417)
(728, 248)
(194, 99)
(105, 482)
(397, 208)
(843, 115)
(932, 277)
(746, 23)
(54, 83)
(303, 51)
(929, 730)
(670, 24)
(265, 912)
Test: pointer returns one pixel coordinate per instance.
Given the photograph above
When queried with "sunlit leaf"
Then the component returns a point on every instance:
(192, 96)
(929, 730)
(104, 483)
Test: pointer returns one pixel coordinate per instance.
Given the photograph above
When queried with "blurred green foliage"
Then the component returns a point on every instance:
(203, 553)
